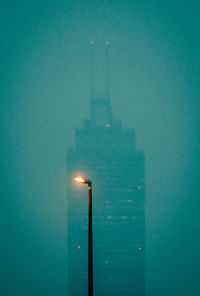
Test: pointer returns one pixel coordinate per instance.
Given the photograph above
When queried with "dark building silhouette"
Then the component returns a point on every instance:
(107, 154)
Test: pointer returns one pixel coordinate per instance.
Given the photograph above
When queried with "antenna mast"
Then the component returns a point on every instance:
(107, 69)
(92, 68)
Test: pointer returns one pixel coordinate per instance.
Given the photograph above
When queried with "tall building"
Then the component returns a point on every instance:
(107, 154)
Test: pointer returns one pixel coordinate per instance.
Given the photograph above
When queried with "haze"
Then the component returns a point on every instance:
(45, 91)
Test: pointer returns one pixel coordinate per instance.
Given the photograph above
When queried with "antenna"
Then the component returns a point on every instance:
(107, 68)
(92, 68)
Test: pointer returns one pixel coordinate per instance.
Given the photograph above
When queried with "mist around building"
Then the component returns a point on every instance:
(136, 135)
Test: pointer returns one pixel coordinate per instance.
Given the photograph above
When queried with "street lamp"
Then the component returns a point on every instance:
(84, 180)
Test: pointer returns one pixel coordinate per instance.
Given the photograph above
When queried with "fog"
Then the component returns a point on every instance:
(45, 91)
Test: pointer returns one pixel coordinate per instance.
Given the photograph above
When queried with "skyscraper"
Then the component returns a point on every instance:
(107, 154)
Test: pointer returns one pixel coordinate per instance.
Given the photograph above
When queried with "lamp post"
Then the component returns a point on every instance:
(84, 180)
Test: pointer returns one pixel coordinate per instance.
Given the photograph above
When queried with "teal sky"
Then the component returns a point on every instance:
(45, 89)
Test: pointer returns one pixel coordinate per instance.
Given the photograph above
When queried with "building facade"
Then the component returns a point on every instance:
(107, 154)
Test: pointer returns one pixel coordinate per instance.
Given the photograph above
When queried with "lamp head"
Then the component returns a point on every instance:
(82, 179)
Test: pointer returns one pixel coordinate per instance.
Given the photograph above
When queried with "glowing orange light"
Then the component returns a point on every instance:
(79, 179)
(139, 249)
(82, 179)
(79, 247)
(139, 187)
(107, 125)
